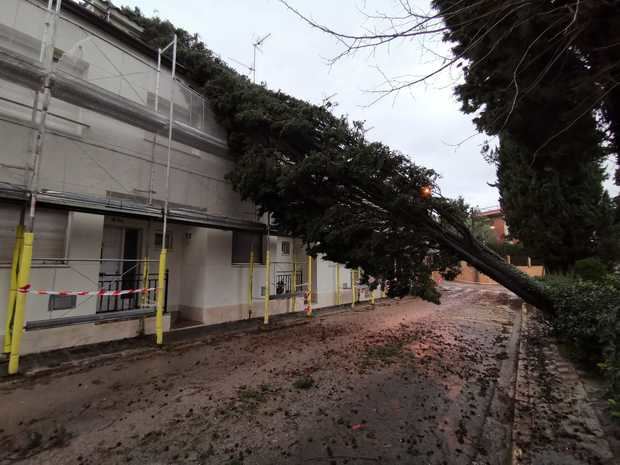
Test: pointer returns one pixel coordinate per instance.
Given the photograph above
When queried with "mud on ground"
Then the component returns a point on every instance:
(408, 382)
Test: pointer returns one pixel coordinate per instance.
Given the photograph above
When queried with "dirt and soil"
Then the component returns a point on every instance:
(403, 382)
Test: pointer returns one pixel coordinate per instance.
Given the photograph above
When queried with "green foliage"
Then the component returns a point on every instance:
(608, 232)
(250, 398)
(590, 269)
(516, 249)
(385, 353)
(317, 175)
(356, 201)
(481, 228)
(305, 382)
(554, 208)
(538, 96)
(614, 408)
(588, 316)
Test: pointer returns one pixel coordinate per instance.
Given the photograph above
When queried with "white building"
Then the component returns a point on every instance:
(101, 188)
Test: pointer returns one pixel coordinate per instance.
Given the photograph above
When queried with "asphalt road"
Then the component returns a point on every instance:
(405, 382)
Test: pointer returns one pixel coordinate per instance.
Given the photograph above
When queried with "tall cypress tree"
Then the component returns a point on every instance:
(542, 104)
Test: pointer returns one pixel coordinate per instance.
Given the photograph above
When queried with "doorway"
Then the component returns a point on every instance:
(120, 268)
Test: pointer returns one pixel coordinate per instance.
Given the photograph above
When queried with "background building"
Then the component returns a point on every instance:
(496, 222)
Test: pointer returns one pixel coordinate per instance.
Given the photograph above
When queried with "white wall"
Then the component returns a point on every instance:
(85, 242)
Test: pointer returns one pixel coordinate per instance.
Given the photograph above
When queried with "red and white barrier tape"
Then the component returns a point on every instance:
(100, 293)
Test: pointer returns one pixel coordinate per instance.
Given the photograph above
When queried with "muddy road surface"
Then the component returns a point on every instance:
(406, 382)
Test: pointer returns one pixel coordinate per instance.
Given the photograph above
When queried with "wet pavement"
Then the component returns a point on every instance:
(405, 382)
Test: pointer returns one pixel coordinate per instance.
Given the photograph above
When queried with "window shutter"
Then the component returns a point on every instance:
(9, 219)
(50, 232)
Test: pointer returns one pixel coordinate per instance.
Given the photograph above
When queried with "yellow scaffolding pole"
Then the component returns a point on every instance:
(338, 296)
(251, 284)
(267, 285)
(25, 256)
(309, 311)
(353, 288)
(145, 281)
(23, 278)
(294, 287)
(10, 308)
(161, 284)
(359, 290)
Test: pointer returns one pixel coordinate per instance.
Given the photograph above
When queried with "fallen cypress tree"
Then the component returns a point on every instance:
(358, 202)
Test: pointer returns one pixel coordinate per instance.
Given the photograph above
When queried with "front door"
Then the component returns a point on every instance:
(111, 251)
(130, 255)
(120, 268)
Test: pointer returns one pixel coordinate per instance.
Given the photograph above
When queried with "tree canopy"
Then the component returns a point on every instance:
(544, 78)
(358, 202)
(528, 79)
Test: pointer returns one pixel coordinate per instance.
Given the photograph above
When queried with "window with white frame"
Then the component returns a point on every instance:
(50, 233)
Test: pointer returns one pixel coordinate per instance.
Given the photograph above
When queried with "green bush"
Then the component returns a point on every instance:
(587, 315)
(591, 269)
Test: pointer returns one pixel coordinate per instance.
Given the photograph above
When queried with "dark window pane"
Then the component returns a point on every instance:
(242, 243)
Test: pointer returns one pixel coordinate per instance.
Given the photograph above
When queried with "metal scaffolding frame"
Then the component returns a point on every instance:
(22, 259)
(159, 329)
(51, 81)
(70, 89)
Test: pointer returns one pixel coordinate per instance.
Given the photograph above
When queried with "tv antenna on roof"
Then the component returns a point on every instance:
(248, 67)
(257, 46)
(327, 100)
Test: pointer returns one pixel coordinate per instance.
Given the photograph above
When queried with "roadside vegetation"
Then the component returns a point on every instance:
(587, 318)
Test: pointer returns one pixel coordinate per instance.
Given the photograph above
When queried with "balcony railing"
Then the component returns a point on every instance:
(284, 282)
(118, 282)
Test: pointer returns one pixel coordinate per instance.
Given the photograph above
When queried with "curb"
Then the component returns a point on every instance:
(495, 439)
(515, 451)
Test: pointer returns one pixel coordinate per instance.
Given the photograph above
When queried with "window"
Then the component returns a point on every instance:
(285, 248)
(50, 233)
(243, 243)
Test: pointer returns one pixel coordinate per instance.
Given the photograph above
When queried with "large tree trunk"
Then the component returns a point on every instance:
(489, 263)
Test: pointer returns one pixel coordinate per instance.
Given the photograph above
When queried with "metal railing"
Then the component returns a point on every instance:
(284, 282)
(118, 282)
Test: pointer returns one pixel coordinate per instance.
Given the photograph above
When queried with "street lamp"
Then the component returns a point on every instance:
(426, 192)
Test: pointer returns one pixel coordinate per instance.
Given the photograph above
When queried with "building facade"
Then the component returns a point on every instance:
(497, 222)
(101, 187)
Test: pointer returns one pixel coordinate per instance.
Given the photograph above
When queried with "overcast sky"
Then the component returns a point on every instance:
(424, 123)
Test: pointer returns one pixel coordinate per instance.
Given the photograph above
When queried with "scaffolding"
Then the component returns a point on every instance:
(25, 232)
(82, 70)
(74, 78)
